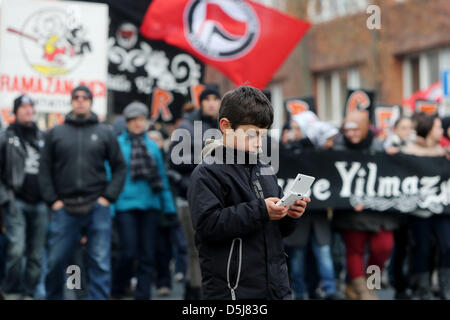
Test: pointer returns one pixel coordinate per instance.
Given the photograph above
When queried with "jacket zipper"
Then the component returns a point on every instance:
(233, 289)
(79, 136)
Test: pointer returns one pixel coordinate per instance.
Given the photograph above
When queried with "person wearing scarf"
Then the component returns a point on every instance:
(145, 196)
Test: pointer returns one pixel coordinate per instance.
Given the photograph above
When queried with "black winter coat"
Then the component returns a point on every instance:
(190, 159)
(240, 249)
(73, 161)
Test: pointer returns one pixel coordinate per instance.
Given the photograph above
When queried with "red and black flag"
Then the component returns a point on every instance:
(246, 41)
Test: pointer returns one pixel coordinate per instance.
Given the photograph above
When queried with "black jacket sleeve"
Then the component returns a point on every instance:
(287, 224)
(213, 221)
(3, 189)
(45, 171)
(118, 169)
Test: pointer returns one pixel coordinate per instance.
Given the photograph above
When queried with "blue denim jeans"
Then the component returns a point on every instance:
(138, 235)
(25, 232)
(64, 236)
(324, 263)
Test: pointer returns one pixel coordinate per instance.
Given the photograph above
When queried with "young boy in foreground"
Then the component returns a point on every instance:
(232, 198)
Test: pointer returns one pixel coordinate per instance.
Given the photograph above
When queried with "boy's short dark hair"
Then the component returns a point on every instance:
(246, 105)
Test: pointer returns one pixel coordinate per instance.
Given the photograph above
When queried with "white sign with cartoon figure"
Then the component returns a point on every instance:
(49, 47)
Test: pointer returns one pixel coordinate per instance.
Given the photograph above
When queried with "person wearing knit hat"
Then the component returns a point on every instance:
(22, 100)
(210, 102)
(84, 89)
(134, 110)
(81, 102)
(25, 213)
(145, 195)
(73, 181)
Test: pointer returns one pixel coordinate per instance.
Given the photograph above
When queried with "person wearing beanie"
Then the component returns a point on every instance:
(25, 213)
(73, 181)
(207, 114)
(145, 194)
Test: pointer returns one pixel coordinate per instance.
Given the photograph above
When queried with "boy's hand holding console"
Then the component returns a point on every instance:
(294, 201)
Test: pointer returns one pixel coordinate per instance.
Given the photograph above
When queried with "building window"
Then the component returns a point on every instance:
(332, 90)
(326, 10)
(423, 69)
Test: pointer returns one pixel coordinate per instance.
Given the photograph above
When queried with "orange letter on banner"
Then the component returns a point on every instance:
(8, 116)
(357, 98)
(297, 106)
(383, 121)
(160, 104)
(196, 91)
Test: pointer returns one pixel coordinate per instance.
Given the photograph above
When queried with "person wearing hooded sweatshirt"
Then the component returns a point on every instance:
(25, 213)
(314, 230)
(73, 181)
(145, 195)
(424, 225)
(361, 227)
(206, 117)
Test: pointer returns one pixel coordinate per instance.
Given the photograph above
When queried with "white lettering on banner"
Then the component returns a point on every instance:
(406, 194)
(177, 74)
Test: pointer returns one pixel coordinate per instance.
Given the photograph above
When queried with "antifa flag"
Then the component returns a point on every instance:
(298, 105)
(360, 100)
(160, 75)
(246, 41)
(381, 182)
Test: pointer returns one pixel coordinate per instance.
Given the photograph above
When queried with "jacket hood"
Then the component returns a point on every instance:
(210, 146)
(72, 119)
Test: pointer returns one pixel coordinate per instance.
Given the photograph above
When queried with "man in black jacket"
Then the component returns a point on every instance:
(74, 183)
(25, 213)
(185, 154)
(232, 197)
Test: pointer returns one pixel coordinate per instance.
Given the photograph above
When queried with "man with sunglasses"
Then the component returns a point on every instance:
(74, 183)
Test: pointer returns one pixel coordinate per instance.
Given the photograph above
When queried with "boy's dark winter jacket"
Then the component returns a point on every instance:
(241, 250)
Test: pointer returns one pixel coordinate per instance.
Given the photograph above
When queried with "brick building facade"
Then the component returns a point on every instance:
(340, 51)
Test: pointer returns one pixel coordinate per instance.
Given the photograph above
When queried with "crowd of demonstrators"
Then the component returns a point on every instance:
(113, 200)
(206, 116)
(409, 244)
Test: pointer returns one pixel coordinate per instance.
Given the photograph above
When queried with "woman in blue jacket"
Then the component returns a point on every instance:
(145, 196)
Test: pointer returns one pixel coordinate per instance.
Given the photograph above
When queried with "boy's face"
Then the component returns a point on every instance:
(245, 137)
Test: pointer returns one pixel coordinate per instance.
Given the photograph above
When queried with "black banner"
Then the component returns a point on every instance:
(381, 182)
(159, 75)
